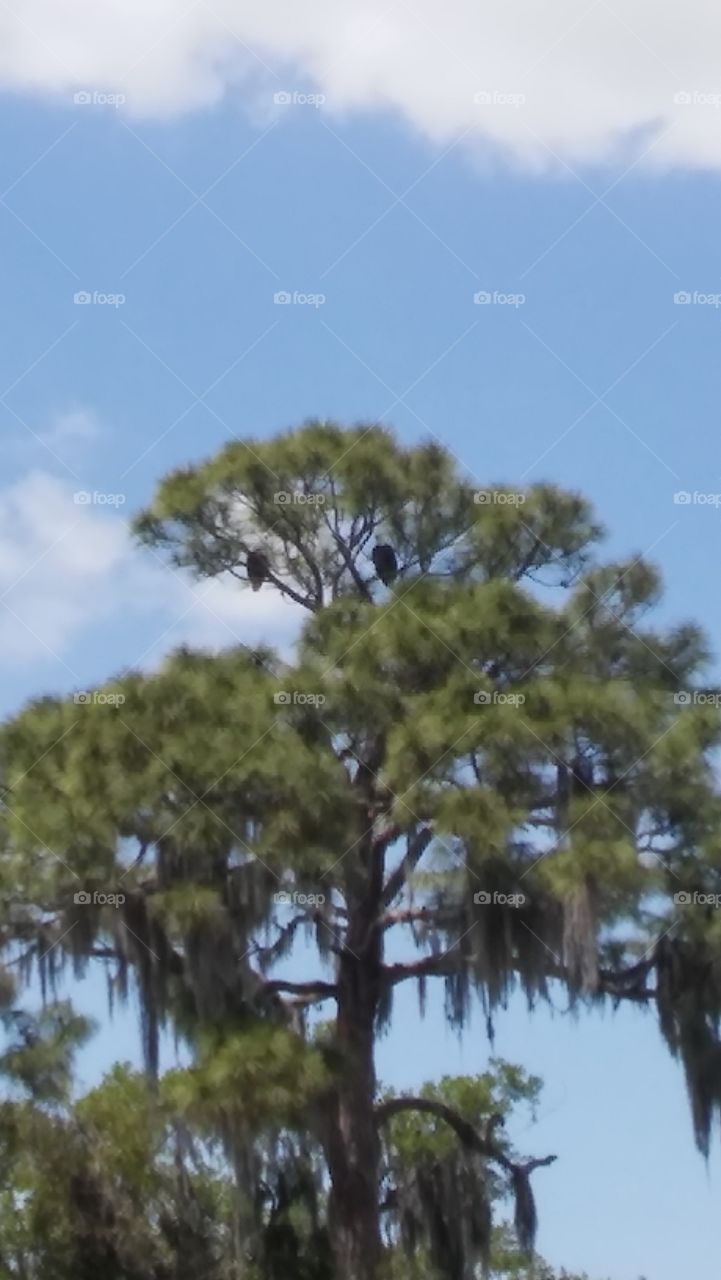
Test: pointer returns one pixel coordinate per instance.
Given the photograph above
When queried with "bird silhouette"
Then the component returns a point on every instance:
(385, 563)
(257, 568)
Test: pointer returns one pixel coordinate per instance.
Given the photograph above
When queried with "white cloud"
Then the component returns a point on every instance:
(218, 614)
(67, 569)
(56, 567)
(598, 78)
(68, 436)
(78, 424)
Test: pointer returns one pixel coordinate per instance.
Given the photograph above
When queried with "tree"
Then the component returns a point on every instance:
(108, 1185)
(129, 1181)
(488, 757)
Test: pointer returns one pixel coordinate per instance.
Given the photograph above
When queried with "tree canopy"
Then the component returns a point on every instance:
(485, 767)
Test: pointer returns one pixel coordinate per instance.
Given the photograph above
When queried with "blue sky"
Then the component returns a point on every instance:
(390, 204)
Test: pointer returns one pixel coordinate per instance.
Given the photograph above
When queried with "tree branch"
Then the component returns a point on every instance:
(439, 966)
(469, 1136)
(622, 984)
(266, 956)
(417, 915)
(416, 848)
(316, 990)
(305, 601)
(349, 562)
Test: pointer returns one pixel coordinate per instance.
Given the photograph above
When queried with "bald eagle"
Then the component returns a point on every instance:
(257, 567)
(385, 563)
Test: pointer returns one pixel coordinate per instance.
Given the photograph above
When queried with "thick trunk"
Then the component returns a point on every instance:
(353, 1147)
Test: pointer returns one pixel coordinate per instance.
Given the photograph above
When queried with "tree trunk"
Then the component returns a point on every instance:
(353, 1147)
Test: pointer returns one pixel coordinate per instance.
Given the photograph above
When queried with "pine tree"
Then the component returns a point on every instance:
(486, 751)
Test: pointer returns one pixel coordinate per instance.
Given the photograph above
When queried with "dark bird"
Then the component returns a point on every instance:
(575, 781)
(257, 567)
(385, 563)
(582, 775)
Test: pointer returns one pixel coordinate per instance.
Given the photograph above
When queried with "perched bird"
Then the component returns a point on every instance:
(575, 781)
(385, 563)
(257, 568)
(582, 775)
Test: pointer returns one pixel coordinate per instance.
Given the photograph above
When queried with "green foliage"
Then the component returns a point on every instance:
(489, 759)
(40, 1057)
(124, 1180)
(262, 1077)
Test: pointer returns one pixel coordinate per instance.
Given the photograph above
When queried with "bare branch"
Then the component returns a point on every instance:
(317, 990)
(418, 915)
(440, 966)
(349, 561)
(266, 956)
(306, 601)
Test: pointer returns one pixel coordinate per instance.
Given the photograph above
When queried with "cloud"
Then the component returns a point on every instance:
(582, 82)
(65, 435)
(56, 567)
(69, 568)
(68, 436)
(72, 425)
